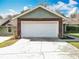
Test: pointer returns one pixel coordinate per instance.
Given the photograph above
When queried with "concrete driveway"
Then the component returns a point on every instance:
(40, 50)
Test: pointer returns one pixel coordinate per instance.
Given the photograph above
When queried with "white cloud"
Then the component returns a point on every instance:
(70, 7)
(64, 5)
(50, 7)
(12, 12)
(72, 2)
(59, 6)
(4, 15)
(56, 6)
(74, 10)
(26, 7)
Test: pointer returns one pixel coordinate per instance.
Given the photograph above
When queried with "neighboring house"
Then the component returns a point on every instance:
(38, 22)
(4, 26)
(73, 20)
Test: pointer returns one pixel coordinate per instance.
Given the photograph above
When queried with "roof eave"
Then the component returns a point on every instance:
(65, 18)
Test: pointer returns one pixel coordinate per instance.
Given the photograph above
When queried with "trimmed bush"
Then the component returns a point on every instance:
(72, 29)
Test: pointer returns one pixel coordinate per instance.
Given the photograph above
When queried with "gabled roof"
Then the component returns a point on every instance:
(26, 12)
(4, 22)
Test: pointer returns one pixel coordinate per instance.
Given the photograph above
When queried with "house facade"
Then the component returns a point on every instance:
(39, 22)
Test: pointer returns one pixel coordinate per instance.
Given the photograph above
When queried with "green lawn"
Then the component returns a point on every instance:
(75, 34)
(8, 42)
(76, 44)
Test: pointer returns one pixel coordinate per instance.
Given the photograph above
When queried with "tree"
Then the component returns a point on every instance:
(9, 16)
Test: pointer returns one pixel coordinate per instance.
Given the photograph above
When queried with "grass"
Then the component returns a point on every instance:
(8, 42)
(76, 44)
(75, 34)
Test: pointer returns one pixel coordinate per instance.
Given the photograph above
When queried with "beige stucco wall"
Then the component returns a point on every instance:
(40, 13)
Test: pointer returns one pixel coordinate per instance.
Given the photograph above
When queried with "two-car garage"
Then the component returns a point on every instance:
(43, 28)
(39, 22)
(39, 29)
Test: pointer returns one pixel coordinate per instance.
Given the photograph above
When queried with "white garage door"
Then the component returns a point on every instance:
(39, 28)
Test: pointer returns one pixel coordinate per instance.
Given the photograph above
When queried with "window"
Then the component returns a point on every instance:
(9, 29)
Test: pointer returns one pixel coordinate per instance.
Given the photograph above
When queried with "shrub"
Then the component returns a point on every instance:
(72, 29)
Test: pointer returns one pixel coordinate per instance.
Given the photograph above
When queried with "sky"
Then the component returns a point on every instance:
(16, 6)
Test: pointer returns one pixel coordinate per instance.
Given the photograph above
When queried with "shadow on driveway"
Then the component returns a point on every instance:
(49, 39)
(44, 39)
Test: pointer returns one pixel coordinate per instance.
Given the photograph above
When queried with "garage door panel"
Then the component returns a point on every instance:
(39, 30)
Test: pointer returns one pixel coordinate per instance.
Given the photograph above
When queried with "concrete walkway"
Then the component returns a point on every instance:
(39, 50)
(4, 38)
